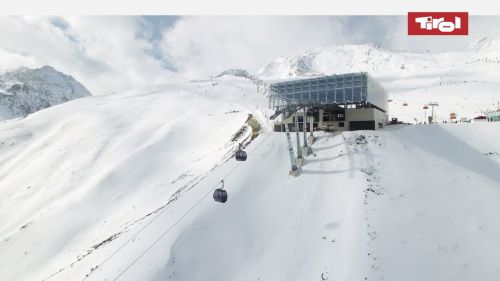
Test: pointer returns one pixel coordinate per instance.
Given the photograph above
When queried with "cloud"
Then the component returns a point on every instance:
(206, 45)
(104, 53)
(391, 32)
(113, 53)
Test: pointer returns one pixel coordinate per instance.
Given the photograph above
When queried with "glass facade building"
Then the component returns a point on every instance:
(493, 116)
(342, 89)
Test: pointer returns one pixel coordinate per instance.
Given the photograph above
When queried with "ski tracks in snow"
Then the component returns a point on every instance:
(371, 192)
(298, 224)
(191, 180)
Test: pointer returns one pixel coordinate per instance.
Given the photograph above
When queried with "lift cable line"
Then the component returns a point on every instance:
(162, 235)
(166, 231)
(140, 231)
(180, 219)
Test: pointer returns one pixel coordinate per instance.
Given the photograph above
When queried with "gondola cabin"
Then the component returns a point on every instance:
(241, 155)
(220, 195)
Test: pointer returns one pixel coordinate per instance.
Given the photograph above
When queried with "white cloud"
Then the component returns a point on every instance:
(112, 53)
(395, 36)
(207, 45)
(203, 46)
(101, 52)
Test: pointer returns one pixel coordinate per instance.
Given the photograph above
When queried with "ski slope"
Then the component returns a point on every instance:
(75, 174)
(118, 187)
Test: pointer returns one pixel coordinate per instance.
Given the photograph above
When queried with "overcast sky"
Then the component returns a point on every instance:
(114, 53)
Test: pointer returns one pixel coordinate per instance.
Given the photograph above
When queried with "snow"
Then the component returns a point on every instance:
(120, 188)
(109, 160)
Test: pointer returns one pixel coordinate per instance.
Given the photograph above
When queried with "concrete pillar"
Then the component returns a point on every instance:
(293, 163)
(305, 149)
(320, 121)
(310, 139)
(300, 159)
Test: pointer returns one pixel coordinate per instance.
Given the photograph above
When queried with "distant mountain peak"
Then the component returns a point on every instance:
(48, 68)
(235, 72)
(372, 58)
(328, 60)
(481, 44)
(24, 90)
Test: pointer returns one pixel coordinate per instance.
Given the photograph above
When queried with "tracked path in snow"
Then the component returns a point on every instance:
(242, 136)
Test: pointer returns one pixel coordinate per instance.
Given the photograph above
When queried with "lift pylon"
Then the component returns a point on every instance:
(300, 159)
(306, 149)
(293, 162)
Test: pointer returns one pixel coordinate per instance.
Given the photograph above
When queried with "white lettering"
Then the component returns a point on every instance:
(430, 23)
(446, 26)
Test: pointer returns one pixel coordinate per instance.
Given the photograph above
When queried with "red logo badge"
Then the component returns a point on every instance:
(438, 23)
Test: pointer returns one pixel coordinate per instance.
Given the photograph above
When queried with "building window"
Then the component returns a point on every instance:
(341, 124)
(326, 116)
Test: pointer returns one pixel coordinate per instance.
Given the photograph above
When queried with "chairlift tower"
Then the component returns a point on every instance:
(432, 105)
(425, 112)
(293, 162)
(300, 159)
(310, 140)
(306, 148)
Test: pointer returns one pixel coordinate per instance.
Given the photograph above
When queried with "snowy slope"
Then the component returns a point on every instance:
(68, 183)
(24, 91)
(120, 189)
(358, 211)
(464, 82)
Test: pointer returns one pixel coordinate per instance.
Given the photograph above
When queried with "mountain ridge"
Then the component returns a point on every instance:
(24, 90)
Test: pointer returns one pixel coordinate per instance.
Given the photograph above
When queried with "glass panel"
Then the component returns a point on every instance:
(348, 94)
(357, 94)
(339, 96)
(322, 96)
(331, 96)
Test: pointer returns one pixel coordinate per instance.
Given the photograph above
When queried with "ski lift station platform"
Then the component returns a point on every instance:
(353, 101)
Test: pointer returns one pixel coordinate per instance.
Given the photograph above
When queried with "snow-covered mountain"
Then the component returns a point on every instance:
(24, 91)
(119, 187)
(262, 86)
(464, 82)
(374, 59)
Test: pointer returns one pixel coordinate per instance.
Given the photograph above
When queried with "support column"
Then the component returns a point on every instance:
(300, 159)
(306, 150)
(310, 139)
(293, 163)
(304, 125)
(320, 121)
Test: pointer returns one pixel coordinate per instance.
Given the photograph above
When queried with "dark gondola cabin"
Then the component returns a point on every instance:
(241, 155)
(220, 195)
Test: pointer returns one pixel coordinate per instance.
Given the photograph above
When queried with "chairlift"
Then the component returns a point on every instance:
(220, 195)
